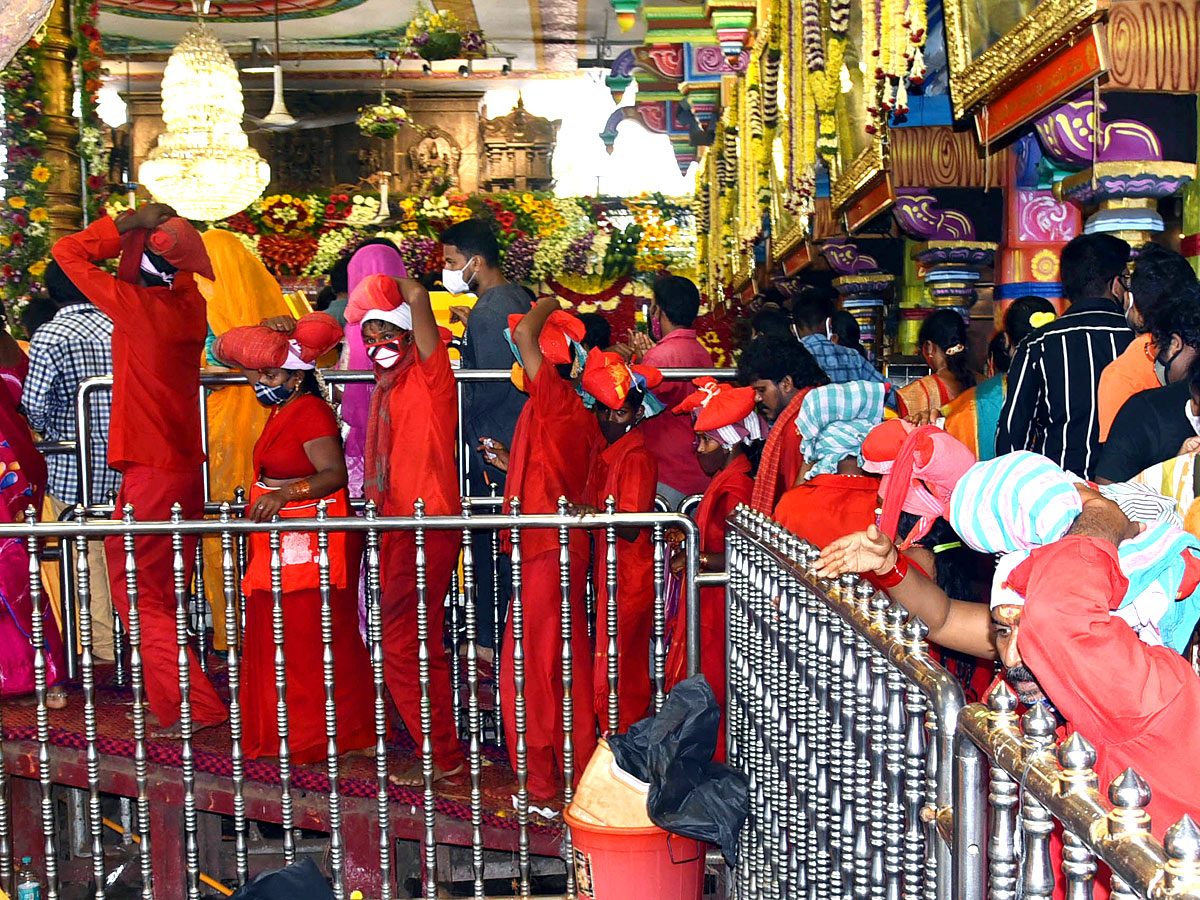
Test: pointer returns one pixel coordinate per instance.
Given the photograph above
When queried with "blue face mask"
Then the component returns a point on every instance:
(273, 396)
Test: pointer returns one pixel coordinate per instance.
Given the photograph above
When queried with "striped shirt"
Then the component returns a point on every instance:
(1051, 404)
(73, 346)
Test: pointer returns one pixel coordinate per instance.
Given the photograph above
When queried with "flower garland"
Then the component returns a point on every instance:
(825, 82)
(894, 33)
(89, 58)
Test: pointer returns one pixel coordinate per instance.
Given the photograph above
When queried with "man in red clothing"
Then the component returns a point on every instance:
(410, 458)
(669, 436)
(554, 438)
(782, 372)
(154, 438)
(623, 468)
(1065, 644)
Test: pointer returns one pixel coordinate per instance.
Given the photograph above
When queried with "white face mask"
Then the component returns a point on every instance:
(454, 280)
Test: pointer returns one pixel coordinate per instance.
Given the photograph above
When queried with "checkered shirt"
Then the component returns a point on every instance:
(73, 346)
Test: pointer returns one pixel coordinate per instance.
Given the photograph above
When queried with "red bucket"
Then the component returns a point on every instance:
(635, 863)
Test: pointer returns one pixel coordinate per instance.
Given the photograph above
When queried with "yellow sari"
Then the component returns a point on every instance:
(244, 293)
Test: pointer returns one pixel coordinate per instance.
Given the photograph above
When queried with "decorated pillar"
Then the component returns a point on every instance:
(863, 289)
(62, 131)
(733, 23)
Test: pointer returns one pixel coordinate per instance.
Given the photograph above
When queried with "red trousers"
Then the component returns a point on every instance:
(152, 491)
(635, 620)
(398, 608)
(541, 606)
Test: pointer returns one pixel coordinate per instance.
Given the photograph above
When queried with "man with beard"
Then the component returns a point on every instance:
(782, 372)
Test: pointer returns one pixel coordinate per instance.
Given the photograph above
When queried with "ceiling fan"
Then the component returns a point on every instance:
(278, 118)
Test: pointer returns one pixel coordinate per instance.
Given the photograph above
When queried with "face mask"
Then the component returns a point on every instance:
(273, 396)
(385, 355)
(829, 329)
(1162, 368)
(656, 327)
(455, 281)
(1130, 314)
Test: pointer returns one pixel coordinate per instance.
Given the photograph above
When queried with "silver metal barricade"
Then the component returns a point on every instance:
(173, 795)
(842, 723)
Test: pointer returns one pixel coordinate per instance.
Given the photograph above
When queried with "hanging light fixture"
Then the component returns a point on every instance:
(203, 164)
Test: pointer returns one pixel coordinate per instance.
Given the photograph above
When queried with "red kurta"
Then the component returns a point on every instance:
(410, 456)
(154, 439)
(554, 439)
(278, 454)
(729, 487)
(626, 471)
(826, 507)
(1138, 705)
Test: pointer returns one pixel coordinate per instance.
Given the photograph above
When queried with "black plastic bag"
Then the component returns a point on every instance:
(300, 881)
(690, 795)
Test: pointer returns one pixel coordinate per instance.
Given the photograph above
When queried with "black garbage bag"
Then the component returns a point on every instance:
(690, 795)
(300, 881)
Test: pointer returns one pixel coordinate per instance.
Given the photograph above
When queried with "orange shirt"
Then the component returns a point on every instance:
(1128, 374)
(158, 336)
(410, 439)
(826, 507)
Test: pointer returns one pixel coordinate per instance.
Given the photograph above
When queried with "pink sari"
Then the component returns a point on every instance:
(374, 259)
(22, 484)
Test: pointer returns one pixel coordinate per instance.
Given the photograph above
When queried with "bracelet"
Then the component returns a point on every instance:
(299, 490)
(895, 574)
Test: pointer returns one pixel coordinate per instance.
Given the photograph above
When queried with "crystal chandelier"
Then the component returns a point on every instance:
(203, 164)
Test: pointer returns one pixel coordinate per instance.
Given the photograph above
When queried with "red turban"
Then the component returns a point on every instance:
(609, 379)
(379, 294)
(175, 240)
(258, 347)
(560, 330)
(718, 404)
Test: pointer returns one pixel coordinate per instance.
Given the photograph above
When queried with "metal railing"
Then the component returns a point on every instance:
(361, 830)
(467, 455)
(869, 778)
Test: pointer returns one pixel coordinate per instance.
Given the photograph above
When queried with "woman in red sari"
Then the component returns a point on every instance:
(729, 435)
(298, 462)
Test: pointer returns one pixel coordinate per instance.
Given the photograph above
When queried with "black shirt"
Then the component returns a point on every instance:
(490, 409)
(1051, 403)
(1150, 427)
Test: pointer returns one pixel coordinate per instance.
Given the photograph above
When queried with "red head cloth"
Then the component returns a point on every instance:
(722, 410)
(175, 240)
(609, 379)
(378, 297)
(927, 467)
(883, 444)
(257, 347)
(557, 335)
(315, 335)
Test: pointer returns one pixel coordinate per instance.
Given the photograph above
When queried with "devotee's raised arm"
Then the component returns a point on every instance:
(527, 332)
(1024, 391)
(424, 323)
(954, 624)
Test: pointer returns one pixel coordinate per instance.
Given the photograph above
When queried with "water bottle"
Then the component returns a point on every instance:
(29, 884)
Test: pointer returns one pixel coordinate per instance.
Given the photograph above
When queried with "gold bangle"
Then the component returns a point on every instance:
(300, 490)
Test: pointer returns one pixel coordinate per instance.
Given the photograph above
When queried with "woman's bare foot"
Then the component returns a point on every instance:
(415, 777)
(364, 752)
(175, 732)
(56, 698)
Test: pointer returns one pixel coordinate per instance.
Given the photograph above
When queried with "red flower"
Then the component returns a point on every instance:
(95, 182)
(17, 238)
(330, 210)
(90, 65)
(8, 272)
(92, 85)
(30, 121)
(20, 220)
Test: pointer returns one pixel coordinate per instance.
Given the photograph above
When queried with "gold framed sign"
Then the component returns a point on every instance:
(989, 43)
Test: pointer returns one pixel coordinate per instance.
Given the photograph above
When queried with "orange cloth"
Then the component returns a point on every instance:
(411, 438)
(628, 472)
(1128, 374)
(928, 392)
(158, 337)
(826, 507)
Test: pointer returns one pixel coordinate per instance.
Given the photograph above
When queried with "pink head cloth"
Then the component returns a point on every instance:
(927, 467)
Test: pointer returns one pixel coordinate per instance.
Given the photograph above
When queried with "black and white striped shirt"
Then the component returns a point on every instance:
(1051, 403)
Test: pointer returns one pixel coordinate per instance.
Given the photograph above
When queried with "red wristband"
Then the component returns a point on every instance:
(895, 575)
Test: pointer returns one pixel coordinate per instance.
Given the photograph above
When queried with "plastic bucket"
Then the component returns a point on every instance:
(635, 863)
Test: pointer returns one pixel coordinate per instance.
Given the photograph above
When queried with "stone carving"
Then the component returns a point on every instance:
(434, 160)
(518, 149)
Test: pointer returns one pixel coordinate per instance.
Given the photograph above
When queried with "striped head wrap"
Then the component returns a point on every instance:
(835, 419)
(1017, 501)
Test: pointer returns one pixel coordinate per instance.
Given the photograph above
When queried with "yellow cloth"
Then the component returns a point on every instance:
(244, 293)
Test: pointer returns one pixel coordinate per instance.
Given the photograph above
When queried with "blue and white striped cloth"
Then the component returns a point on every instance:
(835, 419)
(1017, 501)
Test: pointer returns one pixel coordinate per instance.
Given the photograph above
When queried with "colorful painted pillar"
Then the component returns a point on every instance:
(626, 11)
(863, 289)
(733, 23)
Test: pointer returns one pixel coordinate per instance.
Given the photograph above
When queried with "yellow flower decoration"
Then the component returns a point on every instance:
(40, 174)
(16, 202)
(5, 241)
(39, 214)
(38, 268)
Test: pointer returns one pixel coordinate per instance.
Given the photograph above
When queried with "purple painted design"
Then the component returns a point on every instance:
(1068, 134)
(1041, 219)
(622, 66)
(917, 214)
(845, 258)
(711, 60)
(973, 256)
(1143, 185)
